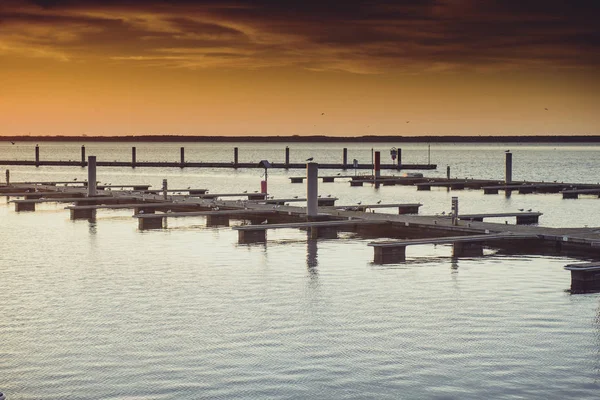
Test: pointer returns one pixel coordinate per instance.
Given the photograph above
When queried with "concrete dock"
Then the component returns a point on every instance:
(548, 240)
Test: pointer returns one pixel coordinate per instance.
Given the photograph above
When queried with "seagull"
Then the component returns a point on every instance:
(407, 122)
(11, 142)
(328, 195)
(339, 173)
(359, 203)
(379, 202)
(245, 191)
(529, 210)
(265, 222)
(74, 179)
(295, 197)
(141, 212)
(521, 209)
(546, 109)
(443, 212)
(319, 196)
(322, 113)
(507, 151)
(310, 159)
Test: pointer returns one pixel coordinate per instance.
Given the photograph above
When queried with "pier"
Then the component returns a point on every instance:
(463, 246)
(182, 162)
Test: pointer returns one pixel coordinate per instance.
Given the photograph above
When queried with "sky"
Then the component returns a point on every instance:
(300, 67)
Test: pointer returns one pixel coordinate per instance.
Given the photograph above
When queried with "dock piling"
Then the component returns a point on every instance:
(399, 158)
(164, 189)
(377, 166)
(448, 172)
(312, 189)
(235, 157)
(182, 157)
(7, 177)
(83, 155)
(454, 210)
(37, 155)
(287, 156)
(508, 167)
(133, 156)
(345, 158)
(91, 176)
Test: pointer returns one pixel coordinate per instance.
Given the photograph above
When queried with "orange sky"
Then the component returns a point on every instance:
(415, 67)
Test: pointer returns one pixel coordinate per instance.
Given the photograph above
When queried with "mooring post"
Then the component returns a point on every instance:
(133, 151)
(7, 177)
(287, 156)
(377, 164)
(235, 156)
(164, 189)
(182, 157)
(454, 210)
(345, 158)
(399, 158)
(83, 155)
(37, 155)
(91, 176)
(508, 167)
(448, 172)
(312, 189)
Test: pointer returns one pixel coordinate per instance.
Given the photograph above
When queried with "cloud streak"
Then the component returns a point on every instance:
(357, 37)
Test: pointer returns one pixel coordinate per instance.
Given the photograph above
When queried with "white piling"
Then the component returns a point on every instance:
(312, 189)
(91, 176)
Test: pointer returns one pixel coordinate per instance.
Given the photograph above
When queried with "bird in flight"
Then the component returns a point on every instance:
(546, 109)
(310, 159)
(322, 113)
(407, 122)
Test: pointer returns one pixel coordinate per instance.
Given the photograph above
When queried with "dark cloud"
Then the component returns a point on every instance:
(355, 36)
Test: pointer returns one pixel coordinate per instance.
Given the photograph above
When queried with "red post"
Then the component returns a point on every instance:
(377, 164)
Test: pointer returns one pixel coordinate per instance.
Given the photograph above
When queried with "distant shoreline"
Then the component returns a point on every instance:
(313, 139)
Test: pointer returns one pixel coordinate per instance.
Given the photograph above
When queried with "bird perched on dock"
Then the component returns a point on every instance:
(359, 203)
(521, 209)
(443, 212)
(328, 195)
(295, 197)
(11, 142)
(310, 159)
(266, 221)
(379, 202)
(529, 210)
(245, 191)
(339, 173)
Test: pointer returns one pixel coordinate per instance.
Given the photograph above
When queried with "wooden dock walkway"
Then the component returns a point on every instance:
(522, 217)
(190, 164)
(403, 208)
(574, 193)
(464, 246)
(555, 240)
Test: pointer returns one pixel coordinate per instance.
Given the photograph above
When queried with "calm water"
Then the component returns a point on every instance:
(104, 311)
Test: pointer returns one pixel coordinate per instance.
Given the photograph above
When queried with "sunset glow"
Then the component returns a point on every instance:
(416, 67)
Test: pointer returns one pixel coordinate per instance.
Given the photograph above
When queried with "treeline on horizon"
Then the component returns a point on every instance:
(314, 138)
